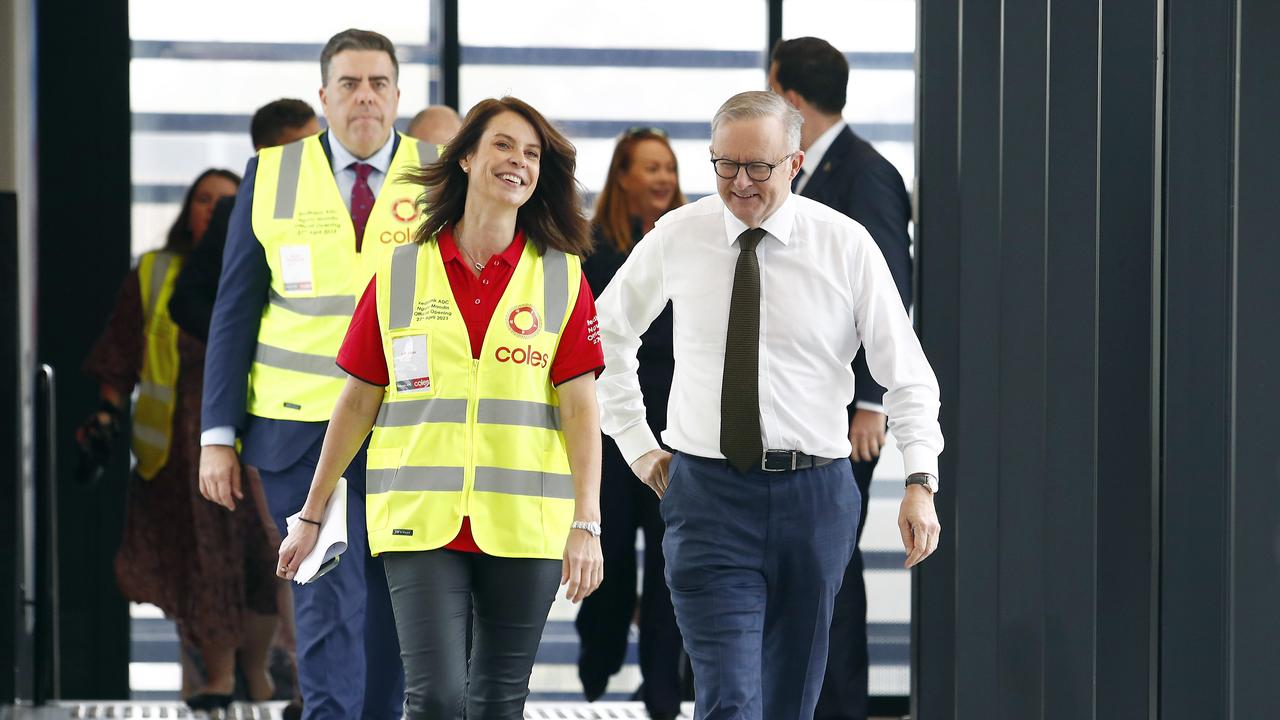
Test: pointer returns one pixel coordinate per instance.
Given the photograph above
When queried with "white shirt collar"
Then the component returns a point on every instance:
(813, 156)
(342, 157)
(779, 224)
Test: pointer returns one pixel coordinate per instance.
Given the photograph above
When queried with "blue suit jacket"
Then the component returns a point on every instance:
(857, 181)
(243, 286)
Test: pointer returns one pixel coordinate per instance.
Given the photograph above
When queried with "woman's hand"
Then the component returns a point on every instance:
(583, 565)
(302, 538)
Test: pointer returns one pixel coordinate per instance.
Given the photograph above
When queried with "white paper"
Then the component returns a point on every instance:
(333, 534)
(295, 267)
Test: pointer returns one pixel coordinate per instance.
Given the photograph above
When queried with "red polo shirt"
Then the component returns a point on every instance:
(578, 353)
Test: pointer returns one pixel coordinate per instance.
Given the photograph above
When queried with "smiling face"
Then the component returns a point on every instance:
(650, 181)
(360, 98)
(503, 168)
(758, 139)
(207, 194)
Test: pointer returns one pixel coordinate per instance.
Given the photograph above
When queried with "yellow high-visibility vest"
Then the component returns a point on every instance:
(462, 437)
(158, 381)
(317, 276)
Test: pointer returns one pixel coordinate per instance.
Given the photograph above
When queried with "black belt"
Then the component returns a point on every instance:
(781, 460)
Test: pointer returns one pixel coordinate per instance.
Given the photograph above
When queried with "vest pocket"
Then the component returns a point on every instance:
(380, 477)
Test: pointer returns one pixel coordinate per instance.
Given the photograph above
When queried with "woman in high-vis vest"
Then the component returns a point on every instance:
(473, 356)
(208, 569)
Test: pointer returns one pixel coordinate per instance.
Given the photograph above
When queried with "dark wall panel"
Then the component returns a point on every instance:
(83, 254)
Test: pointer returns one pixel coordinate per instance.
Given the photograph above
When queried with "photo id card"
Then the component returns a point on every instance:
(295, 264)
(412, 371)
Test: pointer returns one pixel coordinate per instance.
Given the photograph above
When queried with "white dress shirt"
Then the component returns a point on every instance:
(824, 291)
(813, 156)
(346, 179)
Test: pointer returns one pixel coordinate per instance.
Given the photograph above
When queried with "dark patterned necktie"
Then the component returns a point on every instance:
(739, 390)
(361, 200)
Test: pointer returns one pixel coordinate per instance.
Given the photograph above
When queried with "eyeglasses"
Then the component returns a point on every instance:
(642, 130)
(758, 170)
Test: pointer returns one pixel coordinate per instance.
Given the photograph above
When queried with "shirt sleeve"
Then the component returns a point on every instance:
(361, 353)
(634, 298)
(579, 351)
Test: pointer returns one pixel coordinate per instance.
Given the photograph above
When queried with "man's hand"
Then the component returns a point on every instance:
(220, 475)
(918, 523)
(651, 468)
(866, 434)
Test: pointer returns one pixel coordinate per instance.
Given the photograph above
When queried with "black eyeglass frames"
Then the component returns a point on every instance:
(757, 170)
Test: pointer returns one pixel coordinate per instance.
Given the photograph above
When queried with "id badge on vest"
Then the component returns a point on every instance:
(295, 267)
(411, 364)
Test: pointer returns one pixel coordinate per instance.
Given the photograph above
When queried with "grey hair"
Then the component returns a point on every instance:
(761, 103)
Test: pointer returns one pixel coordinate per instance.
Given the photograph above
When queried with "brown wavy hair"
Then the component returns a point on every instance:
(551, 218)
(612, 216)
(180, 239)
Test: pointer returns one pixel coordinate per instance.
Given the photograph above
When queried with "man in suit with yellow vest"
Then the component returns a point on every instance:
(312, 221)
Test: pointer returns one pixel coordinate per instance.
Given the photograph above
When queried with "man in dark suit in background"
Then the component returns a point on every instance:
(279, 122)
(844, 172)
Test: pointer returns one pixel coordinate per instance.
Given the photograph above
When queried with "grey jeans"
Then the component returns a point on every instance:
(435, 594)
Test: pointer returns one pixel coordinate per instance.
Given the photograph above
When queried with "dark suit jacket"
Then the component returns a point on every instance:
(857, 181)
(191, 305)
(243, 286)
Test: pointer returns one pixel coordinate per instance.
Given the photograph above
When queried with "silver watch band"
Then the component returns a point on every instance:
(591, 527)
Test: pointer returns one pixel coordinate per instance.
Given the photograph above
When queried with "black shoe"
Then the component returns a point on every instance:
(663, 715)
(209, 701)
(593, 688)
(292, 711)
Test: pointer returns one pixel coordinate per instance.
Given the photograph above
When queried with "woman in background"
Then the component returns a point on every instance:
(210, 570)
(641, 186)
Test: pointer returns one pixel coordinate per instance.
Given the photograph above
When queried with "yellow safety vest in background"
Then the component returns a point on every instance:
(457, 436)
(158, 381)
(317, 276)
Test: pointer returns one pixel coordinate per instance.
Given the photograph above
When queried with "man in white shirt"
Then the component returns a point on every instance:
(772, 294)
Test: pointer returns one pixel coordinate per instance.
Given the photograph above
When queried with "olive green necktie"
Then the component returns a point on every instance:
(739, 390)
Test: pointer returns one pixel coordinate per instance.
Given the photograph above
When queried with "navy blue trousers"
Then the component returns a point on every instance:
(754, 562)
(348, 654)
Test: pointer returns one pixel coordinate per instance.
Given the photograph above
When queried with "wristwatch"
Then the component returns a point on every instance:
(591, 527)
(929, 482)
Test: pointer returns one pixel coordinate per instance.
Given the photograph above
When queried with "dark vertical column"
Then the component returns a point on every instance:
(450, 53)
(1129, 175)
(938, 288)
(1255, 505)
(977, 441)
(10, 471)
(1020, 594)
(774, 28)
(83, 253)
(1198, 256)
(1069, 504)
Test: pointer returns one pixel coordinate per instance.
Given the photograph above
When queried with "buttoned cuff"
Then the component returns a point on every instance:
(224, 435)
(918, 459)
(635, 441)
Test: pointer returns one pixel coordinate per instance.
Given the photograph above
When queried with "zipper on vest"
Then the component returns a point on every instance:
(473, 413)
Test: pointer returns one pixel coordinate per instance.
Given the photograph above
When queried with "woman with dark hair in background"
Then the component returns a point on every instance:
(209, 570)
(641, 186)
(473, 356)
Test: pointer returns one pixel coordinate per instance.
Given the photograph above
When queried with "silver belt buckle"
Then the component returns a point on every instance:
(764, 461)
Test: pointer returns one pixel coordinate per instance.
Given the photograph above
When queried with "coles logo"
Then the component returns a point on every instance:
(405, 210)
(523, 321)
(522, 356)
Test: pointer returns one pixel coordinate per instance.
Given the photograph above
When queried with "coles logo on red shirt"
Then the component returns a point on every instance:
(523, 321)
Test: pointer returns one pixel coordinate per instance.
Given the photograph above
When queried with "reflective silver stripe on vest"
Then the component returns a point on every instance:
(160, 393)
(524, 482)
(150, 436)
(555, 289)
(404, 278)
(298, 362)
(320, 306)
(287, 181)
(159, 268)
(414, 479)
(518, 412)
(427, 152)
(409, 413)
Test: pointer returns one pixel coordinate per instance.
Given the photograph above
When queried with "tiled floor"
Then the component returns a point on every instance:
(155, 676)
